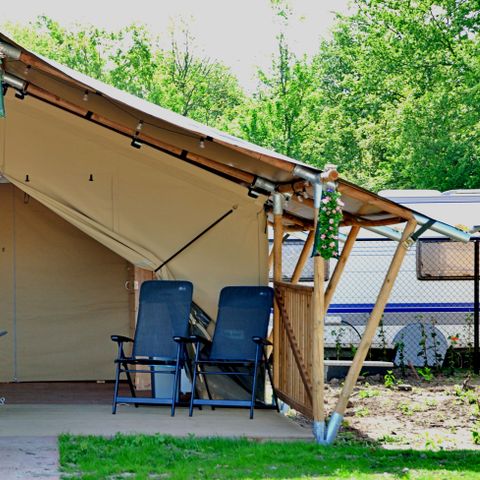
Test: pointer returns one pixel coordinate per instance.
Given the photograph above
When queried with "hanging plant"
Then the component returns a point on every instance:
(329, 218)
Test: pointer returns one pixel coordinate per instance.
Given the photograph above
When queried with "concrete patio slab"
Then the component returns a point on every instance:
(28, 458)
(52, 420)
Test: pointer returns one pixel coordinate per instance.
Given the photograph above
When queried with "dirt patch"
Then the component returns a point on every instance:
(441, 413)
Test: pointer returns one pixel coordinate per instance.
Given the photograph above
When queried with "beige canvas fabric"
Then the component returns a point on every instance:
(142, 204)
(63, 295)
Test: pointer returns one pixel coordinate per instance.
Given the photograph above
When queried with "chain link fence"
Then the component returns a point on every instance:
(429, 319)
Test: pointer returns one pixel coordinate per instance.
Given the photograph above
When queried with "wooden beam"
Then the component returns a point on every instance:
(273, 161)
(318, 312)
(277, 276)
(375, 317)
(31, 61)
(366, 197)
(302, 259)
(337, 273)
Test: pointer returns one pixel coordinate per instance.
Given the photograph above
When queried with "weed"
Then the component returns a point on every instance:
(401, 355)
(389, 379)
(433, 442)
(409, 409)
(435, 344)
(425, 373)
(431, 402)
(423, 353)
(383, 341)
(362, 412)
(368, 392)
(476, 433)
(338, 335)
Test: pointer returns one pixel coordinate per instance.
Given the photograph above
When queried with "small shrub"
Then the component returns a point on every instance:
(425, 373)
(369, 393)
(389, 379)
(362, 412)
(476, 433)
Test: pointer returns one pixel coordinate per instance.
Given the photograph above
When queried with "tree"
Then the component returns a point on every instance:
(400, 82)
(284, 111)
(131, 60)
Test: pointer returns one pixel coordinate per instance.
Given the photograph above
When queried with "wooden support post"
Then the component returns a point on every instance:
(318, 369)
(277, 277)
(337, 273)
(369, 332)
(307, 247)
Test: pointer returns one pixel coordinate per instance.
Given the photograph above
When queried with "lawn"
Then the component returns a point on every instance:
(160, 457)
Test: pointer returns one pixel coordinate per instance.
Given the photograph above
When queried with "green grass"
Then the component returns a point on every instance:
(160, 457)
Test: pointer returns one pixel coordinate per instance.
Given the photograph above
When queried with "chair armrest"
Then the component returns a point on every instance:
(120, 338)
(261, 341)
(179, 339)
(199, 339)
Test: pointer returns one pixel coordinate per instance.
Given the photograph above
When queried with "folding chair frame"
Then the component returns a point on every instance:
(260, 358)
(154, 367)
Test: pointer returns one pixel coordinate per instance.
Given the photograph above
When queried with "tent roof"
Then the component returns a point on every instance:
(223, 154)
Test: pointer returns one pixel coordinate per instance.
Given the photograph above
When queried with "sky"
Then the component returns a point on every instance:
(240, 33)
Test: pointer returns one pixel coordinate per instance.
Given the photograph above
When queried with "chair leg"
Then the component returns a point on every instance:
(130, 383)
(115, 389)
(176, 379)
(194, 384)
(270, 377)
(254, 385)
(207, 388)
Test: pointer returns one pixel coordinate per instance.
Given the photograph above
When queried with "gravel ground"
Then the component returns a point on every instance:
(440, 413)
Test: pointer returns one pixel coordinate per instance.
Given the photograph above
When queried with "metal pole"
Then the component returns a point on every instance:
(476, 328)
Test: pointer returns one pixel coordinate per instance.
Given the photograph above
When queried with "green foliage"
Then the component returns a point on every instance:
(401, 83)
(368, 392)
(393, 94)
(131, 60)
(425, 373)
(476, 433)
(389, 379)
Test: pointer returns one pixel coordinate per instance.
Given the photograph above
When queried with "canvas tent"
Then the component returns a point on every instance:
(67, 142)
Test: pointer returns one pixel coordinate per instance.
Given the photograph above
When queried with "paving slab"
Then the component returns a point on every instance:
(53, 420)
(29, 458)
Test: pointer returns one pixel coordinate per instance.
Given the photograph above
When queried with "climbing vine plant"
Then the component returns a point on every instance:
(329, 218)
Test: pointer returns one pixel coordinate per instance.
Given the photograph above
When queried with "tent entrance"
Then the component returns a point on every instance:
(61, 296)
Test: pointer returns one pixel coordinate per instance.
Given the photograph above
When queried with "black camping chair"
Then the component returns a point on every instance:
(160, 338)
(238, 342)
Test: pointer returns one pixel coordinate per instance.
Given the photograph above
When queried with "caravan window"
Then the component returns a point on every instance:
(443, 259)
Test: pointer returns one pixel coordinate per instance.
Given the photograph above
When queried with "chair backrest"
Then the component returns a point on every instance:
(243, 313)
(164, 309)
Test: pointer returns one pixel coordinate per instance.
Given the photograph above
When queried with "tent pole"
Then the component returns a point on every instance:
(342, 261)
(277, 277)
(302, 259)
(377, 312)
(318, 312)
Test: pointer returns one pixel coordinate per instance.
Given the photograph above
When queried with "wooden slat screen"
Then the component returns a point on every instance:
(294, 303)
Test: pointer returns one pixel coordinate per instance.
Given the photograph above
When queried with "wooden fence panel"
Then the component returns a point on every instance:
(294, 345)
